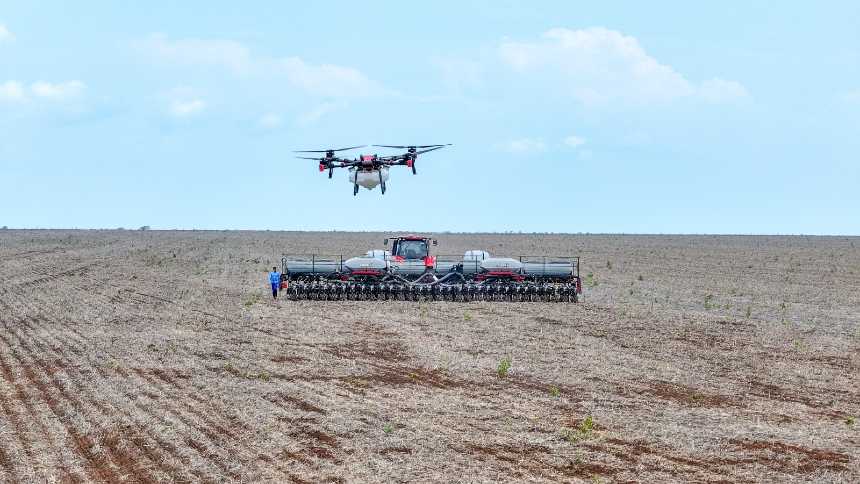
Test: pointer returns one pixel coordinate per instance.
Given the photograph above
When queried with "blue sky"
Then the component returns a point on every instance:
(671, 117)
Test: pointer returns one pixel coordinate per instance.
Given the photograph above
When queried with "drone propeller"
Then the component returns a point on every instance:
(329, 151)
(409, 158)
(438, 147)
(330, 161)
(410, 146)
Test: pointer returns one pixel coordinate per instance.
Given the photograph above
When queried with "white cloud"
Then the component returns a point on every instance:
(58, 91)
(323, 79)
(599, 65)
(328, 79)
(270, 121)
(182, 109)
(12, 91)
(525, 145)
(718, 91)
(574, 141)
(206, 52)
(5, 34)
(460, 73)
(318, 112)
(636, 138)
(18, 91)
(538, 145)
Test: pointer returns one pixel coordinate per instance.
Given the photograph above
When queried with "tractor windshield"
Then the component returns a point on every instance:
(412, 249)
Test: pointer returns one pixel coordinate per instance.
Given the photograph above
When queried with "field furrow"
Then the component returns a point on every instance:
(160, 357)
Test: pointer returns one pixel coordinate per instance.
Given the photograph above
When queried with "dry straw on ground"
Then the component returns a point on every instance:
(158, 356)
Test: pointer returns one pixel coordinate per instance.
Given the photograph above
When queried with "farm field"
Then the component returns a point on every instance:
(160, 357)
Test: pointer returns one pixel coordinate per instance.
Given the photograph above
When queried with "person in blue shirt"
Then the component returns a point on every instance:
(275, 280)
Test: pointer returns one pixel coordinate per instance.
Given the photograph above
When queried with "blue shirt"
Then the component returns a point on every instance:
(275, 277)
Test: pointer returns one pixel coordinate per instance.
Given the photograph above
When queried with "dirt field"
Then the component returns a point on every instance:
(159, 356)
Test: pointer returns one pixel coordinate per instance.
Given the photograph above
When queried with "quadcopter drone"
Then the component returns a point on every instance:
(369, 171)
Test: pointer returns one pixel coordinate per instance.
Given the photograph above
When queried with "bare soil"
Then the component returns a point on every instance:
(155, 356)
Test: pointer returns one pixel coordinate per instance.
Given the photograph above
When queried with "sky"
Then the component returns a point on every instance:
(623, 117)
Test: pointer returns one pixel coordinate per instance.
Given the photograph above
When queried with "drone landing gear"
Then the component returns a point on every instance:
(381, 182)
(355, 190)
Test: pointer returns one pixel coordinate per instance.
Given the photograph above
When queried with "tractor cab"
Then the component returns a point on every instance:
(410, 247)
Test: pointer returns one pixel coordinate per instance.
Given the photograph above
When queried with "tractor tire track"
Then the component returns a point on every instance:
(81, 346)
(162, 381)
(143, 447)
(97, 467)
(214, 432)
(216, 461)
(231, 421)
(117, 454)
(11, 416)
(6, 465)
(125, 463)
(49, 277)
(21, 428)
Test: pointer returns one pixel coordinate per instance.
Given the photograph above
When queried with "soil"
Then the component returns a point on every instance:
(129, 356)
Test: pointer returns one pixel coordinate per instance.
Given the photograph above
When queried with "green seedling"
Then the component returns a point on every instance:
(504, 367)
(583, 431)
(252, 299)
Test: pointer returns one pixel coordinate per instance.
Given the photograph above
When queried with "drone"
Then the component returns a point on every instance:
(369, 171)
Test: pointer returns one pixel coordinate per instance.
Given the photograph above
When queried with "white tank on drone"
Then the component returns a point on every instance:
(368, 179)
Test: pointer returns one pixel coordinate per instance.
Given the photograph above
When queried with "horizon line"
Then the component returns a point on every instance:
(444, 232)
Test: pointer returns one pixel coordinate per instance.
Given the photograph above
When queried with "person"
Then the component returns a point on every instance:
(275, 280)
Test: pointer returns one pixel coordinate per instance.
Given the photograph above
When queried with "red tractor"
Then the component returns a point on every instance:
(410, 272)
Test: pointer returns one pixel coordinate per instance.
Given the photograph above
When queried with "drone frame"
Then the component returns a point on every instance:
(369, 162)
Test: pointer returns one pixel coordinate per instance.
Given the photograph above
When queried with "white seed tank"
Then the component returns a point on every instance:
(476, 255)
(379, 254)
(501, 264)
(364, 263)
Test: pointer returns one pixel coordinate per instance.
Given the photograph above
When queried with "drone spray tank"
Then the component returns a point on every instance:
(367, 179)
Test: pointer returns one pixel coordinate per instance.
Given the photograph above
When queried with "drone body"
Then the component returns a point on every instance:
(368, 171)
